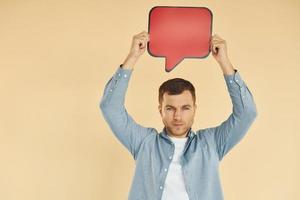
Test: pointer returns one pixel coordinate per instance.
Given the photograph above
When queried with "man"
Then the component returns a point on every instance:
(177, 163)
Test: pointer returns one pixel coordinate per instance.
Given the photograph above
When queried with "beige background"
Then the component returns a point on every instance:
(56, 57)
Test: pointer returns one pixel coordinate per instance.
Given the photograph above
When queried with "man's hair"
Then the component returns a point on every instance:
(175, 86)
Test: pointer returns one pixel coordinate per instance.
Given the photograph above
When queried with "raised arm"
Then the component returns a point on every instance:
(244, 112)
(128, 132)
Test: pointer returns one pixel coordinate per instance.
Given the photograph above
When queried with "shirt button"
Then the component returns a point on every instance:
(230, 81)
(161, 187)
(125, 75)
(111, 90)
(166, 169)
(236, 80)
(170, 157)
(119, 74)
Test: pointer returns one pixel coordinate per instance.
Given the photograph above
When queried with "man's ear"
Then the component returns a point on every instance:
(159, 108)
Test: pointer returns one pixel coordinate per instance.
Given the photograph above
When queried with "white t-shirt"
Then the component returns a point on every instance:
(174, 188)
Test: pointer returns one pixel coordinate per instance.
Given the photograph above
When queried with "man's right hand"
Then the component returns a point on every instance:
(138, 47)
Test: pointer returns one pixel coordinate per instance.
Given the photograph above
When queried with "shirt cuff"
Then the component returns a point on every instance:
(123, 73)
(234, 79)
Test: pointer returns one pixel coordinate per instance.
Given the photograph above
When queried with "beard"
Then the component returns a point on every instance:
(177, 130)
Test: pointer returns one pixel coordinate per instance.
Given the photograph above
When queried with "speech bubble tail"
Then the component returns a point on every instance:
(171, 63)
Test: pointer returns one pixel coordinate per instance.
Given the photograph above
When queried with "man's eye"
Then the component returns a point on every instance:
(186, 108)
(169, 108)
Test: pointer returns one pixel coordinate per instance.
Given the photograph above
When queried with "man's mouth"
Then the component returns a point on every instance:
(178, 124)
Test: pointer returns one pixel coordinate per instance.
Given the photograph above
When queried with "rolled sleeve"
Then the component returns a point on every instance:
(240, 94)
(115, 89)
(232, 130)
(125, 128)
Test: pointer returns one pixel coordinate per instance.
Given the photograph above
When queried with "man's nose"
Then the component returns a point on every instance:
(177, 115)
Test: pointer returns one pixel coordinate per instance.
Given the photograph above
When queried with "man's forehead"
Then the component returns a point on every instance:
(184, 94)
(185, 98)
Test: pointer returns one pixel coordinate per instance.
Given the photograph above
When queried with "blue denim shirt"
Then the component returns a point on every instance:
(153, 151)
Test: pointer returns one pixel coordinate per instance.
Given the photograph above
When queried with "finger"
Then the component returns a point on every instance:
(142, 43)
(215, 46)
(212, 48)
(215, 49)
(140, 35)
(217, 43)
(141, 38)
(146, 35)
(143, 33)
(217, 36)
(146, 38)
(218, 46)
(217, 40)
(220, 41)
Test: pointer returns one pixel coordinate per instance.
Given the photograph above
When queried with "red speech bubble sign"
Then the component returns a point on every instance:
(179, 32)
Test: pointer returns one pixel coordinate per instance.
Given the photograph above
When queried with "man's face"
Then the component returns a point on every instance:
(177, 112)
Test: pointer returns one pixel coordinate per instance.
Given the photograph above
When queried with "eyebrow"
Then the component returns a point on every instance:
(186, 105)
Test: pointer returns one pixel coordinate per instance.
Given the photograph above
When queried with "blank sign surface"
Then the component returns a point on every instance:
(179, 32)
